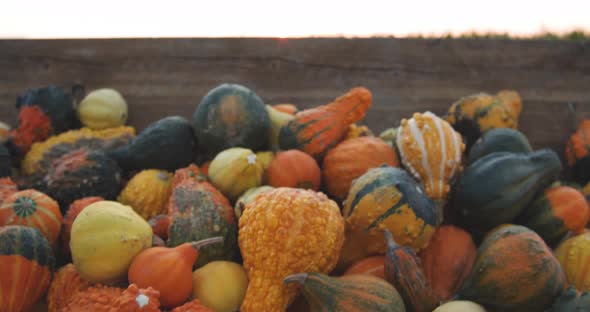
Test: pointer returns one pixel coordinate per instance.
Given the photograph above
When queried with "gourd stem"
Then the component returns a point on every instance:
(207, 242)
(389, 238)
(299, 278)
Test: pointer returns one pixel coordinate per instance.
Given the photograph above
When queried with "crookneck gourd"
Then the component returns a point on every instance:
(352, 158)
(431, 151)
(318, 129)
(577, 152)
(556, 212)
(26, 264)
(35, 209)
(231, 115)
(475, 114)
(514, 270)
(304, 227)
(499, 140)
(350, 293)
(496, 189)
(404, 272)
(166, 144)
(385, 197)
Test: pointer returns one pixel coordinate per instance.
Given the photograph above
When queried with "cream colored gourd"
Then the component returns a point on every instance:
(105, 238)
(235, 170)
(460, 306)
(103, 108)
(220, 285)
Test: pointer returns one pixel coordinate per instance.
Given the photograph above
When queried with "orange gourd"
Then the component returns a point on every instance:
(160, 225)
(65, 284)
(75, 208)
(113, 299)
(316, 130)
(447, 260)
(577, 152)
(134, 299)
(372, 266)
(193, 306)
(205, 168)
(286, 108)
(35, 209)
(351, 159)
(294, 168)
(168, 270)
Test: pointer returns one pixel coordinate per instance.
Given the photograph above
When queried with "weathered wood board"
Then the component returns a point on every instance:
(160, 77)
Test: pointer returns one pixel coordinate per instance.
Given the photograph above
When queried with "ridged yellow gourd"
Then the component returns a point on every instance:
(148, 192)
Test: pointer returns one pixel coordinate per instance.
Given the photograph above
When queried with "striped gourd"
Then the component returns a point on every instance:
(26, 263)
(34, 209)
(431, 151)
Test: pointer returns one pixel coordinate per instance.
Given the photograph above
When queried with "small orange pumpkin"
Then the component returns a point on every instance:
(372, 266)
(168, 270)
(75, 208)
(35, 209)
(351, 159)
(294, 168)
(65, 284)
(447, 260)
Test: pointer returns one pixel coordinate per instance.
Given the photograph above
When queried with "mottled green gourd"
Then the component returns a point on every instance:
(348, 293)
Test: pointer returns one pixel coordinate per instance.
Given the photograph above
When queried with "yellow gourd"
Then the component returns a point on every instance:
(105, 238)
(220, 285)
(148, 192)
(574, 256)
(235, 170)
(277, 120)
(460, 306)
(103, 108)
(285, 231)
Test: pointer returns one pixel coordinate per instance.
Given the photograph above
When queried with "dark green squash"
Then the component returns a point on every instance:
(571, 300)
(404, 271)
(196, 214)
(166, 144)
(350, 293)
(499, 140)
(82, 173)
(514, 270)
(495, 189)
(26, 264)
(231, 115)
(556, 212)
(5, 162)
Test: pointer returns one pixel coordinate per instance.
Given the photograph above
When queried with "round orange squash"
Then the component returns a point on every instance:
(351, 159)
(372, 266)
(35, 209)
(294, 168)
(447, 260)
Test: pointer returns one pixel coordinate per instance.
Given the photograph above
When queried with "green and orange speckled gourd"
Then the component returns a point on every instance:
(42, 113)
(350, 293)
(197, 211)
(42, 154)
(514, 270)
(403, 270)
(231, 115)
(35, 209)
(475, 114)
(82, 173)
(556, 212)
(317, 130)
(286, 231)
(26, 264)
(385, 198)
(496, 188)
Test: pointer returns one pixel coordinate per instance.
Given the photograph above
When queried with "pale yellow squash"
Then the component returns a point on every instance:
(220, 285)
(235, 170)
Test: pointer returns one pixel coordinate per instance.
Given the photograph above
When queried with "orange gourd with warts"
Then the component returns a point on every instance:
(65, 284)
(168, 270)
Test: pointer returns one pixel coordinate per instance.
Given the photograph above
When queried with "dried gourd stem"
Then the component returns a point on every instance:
(389, 238)
(299, 278)
(207, 242)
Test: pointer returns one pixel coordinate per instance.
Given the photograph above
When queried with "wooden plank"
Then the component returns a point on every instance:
(160, 77)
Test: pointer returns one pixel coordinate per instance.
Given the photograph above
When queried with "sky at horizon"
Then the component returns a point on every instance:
(302, 18)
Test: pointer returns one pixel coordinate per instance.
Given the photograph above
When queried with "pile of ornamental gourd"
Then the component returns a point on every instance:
(262, 208)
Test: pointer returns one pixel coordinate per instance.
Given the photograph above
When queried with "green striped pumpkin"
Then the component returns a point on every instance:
(386, 197)
(26, 263)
